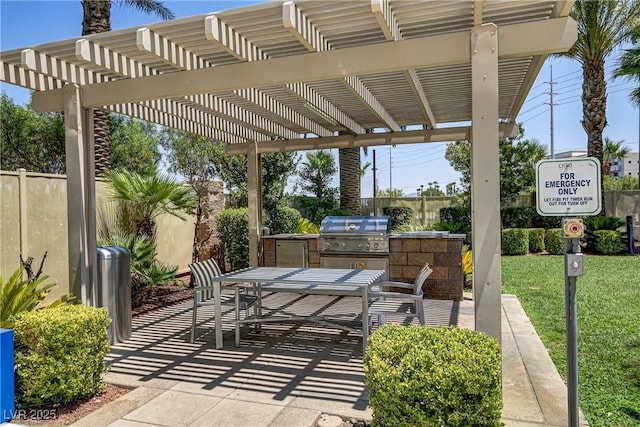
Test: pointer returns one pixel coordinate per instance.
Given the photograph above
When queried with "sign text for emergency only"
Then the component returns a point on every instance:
(568, 187)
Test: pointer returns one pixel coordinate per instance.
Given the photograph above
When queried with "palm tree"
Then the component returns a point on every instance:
(602, 27)
(143, 198)
(96, 18)
(629, 67)
(349, 161)
(613, 150)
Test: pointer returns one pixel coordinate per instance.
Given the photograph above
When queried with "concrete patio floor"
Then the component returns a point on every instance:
(292, 373)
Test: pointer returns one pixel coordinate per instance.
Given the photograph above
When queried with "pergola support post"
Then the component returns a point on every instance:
(254, 177)
(81, 202)
(485, 180)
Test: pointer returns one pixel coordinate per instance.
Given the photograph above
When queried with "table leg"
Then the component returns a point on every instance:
(217, 315)
(365, 319)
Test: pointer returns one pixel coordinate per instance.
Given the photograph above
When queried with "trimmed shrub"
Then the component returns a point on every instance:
(306, 227)
(607, 242)
(456, 213)
(551, 222)
(425, 376)
(233, 230)
(59, 354)
(398, 215)
(518, 217)
(536, 240)
(515, 241)
(596, 223)
(284, 220)
(555, 243)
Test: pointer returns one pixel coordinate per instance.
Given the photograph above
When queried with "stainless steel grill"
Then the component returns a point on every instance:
(354, 235)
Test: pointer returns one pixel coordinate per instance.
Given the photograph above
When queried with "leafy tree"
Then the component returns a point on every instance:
(626, 182)
(30, 140)
(317, 172)
(518, 158)
(390, 193)
(613, 150)
(96, 18)
(192, 157)
(602, 27)
(629, 67)
(277, 168)
(432, 191)
(134, 145)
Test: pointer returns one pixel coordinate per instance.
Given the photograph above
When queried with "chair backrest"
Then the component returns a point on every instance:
(422, 276)
(204, 272)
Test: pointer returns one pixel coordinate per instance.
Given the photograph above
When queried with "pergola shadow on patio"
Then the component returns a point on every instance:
(287, 364)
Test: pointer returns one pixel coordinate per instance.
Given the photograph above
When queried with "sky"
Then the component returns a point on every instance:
(25, 23)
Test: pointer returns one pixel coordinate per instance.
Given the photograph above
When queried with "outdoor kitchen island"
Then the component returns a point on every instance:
(402, 257)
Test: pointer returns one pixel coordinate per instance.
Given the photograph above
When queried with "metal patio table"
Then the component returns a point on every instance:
(327, 281)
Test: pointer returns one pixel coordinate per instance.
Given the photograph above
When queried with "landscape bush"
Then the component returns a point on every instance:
(398, 216)
(555, 242)
(596, 223)
(283, 219)
(456, 213)
(536, 240)
(59, 354)
(454, 227)
(19, 295)
(233, 231)
(515, 241)
(426, 376)
(607, 242)
(518, 217)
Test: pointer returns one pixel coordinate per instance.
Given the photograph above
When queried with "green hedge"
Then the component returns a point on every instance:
(283, 220)
(425, 376)
(456, 214)
(607, 242)
(518, 217)
(233, 231)
(398, 215)
(555, 242)
(59, 354)
(536, 240)
(515, 241)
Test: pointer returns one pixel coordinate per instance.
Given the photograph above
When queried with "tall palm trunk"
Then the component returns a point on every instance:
(594, 107)
(349, 161)
(97, 19)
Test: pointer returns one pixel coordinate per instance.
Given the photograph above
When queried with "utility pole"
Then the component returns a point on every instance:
(375, 188)
(390, 169)
(551, 93)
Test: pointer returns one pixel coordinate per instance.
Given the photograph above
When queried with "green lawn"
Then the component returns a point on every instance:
(608, 327)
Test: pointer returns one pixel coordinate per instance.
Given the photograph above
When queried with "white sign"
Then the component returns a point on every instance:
(568, 187)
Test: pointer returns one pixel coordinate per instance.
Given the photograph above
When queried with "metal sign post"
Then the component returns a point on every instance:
(573, 231)
(569, 188)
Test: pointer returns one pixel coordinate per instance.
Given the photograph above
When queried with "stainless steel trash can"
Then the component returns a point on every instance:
(113, 289)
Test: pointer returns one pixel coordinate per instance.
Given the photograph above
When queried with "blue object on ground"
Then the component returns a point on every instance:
(631, 244)
(7, 384)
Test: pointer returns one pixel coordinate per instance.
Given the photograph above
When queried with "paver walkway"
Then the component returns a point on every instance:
(291, 373)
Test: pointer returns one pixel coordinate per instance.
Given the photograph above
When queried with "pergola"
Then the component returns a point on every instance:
(303, 75)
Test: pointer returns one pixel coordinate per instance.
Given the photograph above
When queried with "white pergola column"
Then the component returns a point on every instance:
(485, 180)
(254, 188)
(81, 203)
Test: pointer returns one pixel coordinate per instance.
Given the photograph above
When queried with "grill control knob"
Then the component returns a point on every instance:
(359, 245)
(328, 244)
(375, 245)
(343, 244)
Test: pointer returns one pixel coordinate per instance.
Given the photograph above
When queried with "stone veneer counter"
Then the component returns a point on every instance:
(410, 251)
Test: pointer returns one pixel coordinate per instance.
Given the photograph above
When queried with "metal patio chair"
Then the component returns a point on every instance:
(204, 273)
(386, 302)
